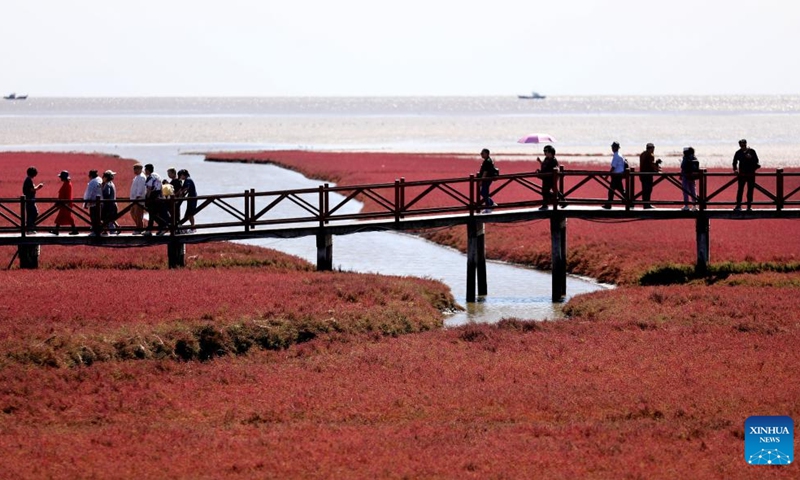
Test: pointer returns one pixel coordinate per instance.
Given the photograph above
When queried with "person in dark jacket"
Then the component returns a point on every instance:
(649, 167)
(745, 164)
(487, 172)
(109, 209)
(690, 167)
(29, 190)
(548, 166)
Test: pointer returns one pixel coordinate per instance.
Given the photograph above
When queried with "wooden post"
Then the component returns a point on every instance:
(779, 189)
(28, 256)
(703, 226)
(558, 240)
(176, 254)
(480, 258)
(248, 214)
(701, 194)
(399, 198)
(324, 251)
(629, 188)
(473, 195)
(472, 258)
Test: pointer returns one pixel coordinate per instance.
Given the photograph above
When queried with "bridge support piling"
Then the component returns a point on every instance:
(176, 254)
(28, 256)
(476, 261)
(703, 227)
(324, 251)
(558, 241)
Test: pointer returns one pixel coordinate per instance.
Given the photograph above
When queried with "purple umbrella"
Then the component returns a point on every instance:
(537, 138)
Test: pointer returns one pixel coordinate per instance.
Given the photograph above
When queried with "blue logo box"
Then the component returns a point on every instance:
(769, 440)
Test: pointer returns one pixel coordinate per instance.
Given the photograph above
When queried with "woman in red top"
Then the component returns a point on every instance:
(64, 216)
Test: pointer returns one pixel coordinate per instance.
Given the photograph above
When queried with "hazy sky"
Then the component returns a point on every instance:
(409, 47)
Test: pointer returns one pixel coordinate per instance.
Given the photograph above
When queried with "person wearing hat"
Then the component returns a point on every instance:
(29, 190)
(745, 164)
(64, 216)
(648, 166)
(109, 208)
(618, 166)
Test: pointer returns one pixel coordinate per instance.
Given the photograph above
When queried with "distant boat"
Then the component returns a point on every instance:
(532, 96)
(14, 96)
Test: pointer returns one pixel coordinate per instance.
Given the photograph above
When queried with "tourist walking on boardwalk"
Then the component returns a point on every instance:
(138, 194)
(745, 164)
(29, 190)
(154, 203)
(64, 216)
(548, 167)
(618, 165)
(690, 167)
(109, 209)
(190, 192)
(649, 167)
(94, 191)
(488, 170)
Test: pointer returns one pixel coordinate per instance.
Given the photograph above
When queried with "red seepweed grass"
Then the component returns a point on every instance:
(642, 382)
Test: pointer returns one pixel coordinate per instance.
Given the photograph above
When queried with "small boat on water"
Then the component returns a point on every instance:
(14, 96)
(532, 96)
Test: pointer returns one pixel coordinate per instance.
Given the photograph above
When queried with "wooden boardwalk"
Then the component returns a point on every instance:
(327, 211)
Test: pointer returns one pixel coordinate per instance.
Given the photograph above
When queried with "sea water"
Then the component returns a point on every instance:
(172, 131)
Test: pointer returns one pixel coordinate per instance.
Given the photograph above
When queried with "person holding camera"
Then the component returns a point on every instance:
(649, 166)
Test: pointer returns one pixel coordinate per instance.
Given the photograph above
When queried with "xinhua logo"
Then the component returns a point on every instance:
(769, 440)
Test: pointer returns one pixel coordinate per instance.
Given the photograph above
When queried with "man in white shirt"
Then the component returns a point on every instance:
(138, 193)
(618, 165)
(94, 191)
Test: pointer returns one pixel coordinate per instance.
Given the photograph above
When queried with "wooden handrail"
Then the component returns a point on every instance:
(403, 198)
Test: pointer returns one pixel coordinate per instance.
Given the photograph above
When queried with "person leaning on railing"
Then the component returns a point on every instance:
(745, 164)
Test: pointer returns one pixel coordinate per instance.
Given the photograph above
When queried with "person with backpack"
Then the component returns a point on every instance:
(487, 172)
(690, 168)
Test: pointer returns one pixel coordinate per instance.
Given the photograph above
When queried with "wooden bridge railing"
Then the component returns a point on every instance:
(403, 199)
